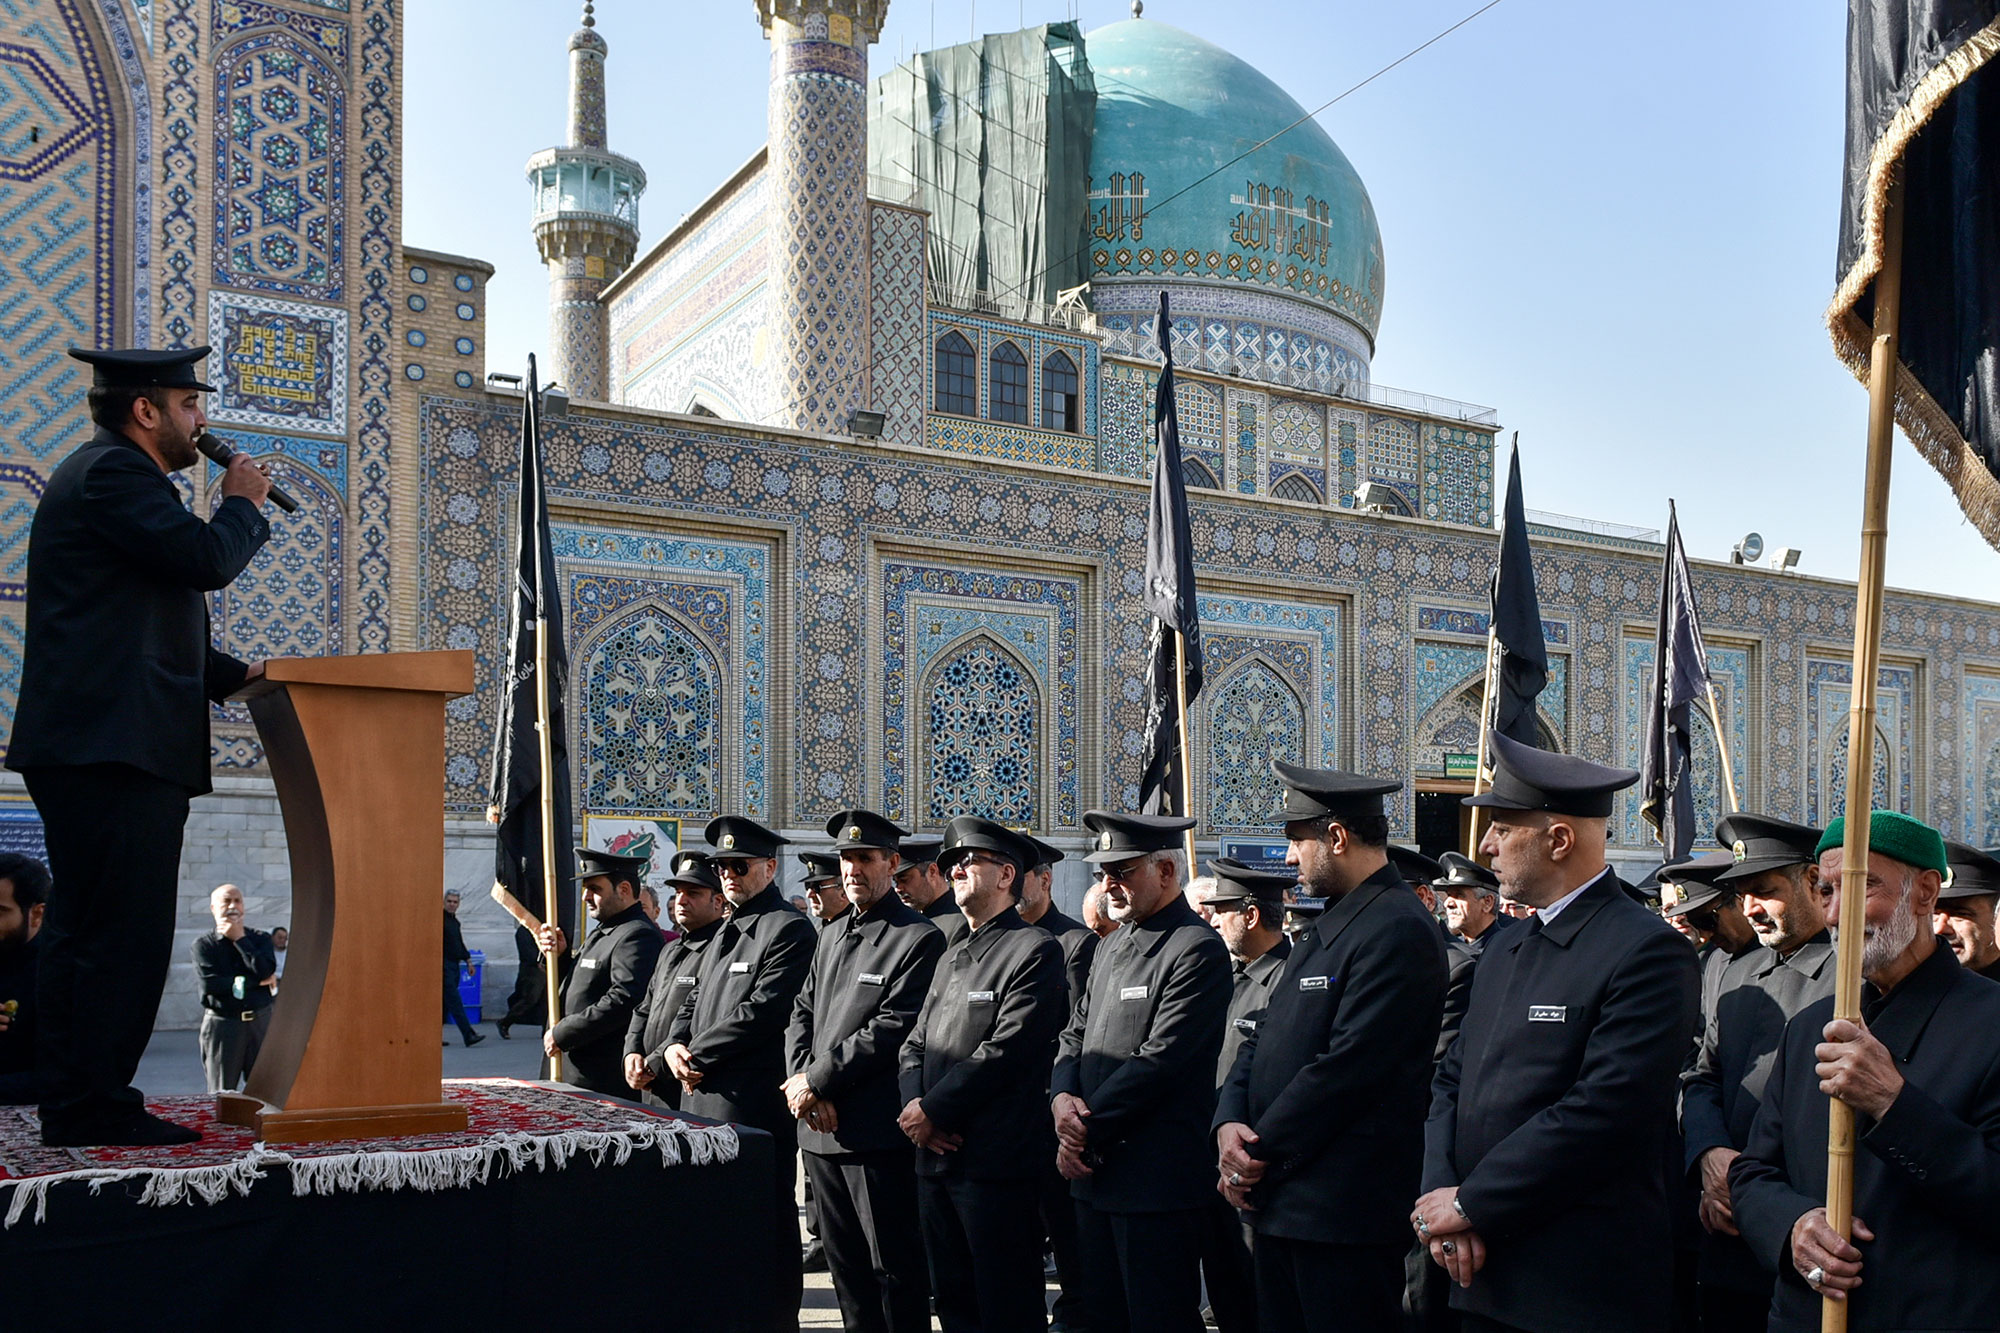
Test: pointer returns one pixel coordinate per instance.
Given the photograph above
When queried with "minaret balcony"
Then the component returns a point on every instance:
(580, 183)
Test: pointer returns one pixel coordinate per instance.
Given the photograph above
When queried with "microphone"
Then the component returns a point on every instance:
(219, 453)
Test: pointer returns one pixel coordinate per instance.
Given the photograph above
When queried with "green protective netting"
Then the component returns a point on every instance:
(993, 138)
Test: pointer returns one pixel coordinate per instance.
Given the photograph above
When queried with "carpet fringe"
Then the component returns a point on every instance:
(426, 1170)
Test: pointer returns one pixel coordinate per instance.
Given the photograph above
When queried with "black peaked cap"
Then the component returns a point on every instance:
(1462, 872)
(739, 835)
(1758, 843)
(1120, 837)
(1698, 881)
(590, 863)
(919, 851)
(852, 830)
(140, 368)
(1326, 793)
(970, 833)
(1413, 865)
(1045, 854)
(694, 872)
(1973, 872)
(1525, 778)
(1234, 880)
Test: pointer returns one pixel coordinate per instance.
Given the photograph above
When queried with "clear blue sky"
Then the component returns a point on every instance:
(1613, 222)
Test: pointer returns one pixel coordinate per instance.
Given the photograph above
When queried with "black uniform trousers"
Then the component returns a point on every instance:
(1300, 1281)
(527, 1003)
(1144, 1269)
(1730, 1310)
(1427, 1293)
(454, 1003)
(114, 841)
(867, 1220)
(1226, 1268)
(1059, 1225)
(985, 1251)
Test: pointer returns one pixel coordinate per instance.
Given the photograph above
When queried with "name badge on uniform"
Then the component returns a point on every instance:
(979, 996)
(1132, 993)
(1246, 1025)
(684, 981)
(740, 967)
(1548, 1013)
(586, 962)
(870, 979)
(1313, 983)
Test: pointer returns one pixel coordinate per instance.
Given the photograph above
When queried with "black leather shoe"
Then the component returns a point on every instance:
(475, 1038)
(814, 1259)
(504, 1027)
(139, 1129)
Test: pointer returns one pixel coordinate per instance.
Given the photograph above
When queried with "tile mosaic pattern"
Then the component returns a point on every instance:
(139, 107)
(278, 364)
(1230, 331)
(1981, 731)
(898, 321)
(1729, 669)
(981, 738)
(1026, 444)
(280, 103)
(180, 169)
(1828, 697)
(1458, 475)
(1256, 713)
(378, 212)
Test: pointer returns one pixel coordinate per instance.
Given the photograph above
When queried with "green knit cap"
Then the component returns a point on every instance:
(1896, 836)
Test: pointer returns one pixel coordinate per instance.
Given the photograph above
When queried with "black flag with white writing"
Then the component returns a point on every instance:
(1170, 596)
(1680, 682)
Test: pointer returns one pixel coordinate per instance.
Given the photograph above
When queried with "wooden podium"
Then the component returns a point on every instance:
(356, 748)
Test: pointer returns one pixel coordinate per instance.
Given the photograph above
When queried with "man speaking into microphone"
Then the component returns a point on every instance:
(111, 731)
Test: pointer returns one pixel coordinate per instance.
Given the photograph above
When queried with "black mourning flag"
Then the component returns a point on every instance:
(1169, 596)
(1923, 102)
(517, 762)
(1517, 623)
(1680, 679)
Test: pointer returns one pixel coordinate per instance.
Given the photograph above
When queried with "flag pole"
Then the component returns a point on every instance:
(1487, 704)
(545, 740)
(1187, 751)
(1722, 747)
(1861, 712)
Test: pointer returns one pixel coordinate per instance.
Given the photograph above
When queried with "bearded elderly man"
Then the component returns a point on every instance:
(1922, 1072)
(1545, 1154)
(1744, 1016)
(1965, 909)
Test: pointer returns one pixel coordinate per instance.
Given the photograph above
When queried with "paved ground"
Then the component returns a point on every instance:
(172, 1067)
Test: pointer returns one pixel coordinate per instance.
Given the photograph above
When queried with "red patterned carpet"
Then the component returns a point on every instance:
(514, 1126)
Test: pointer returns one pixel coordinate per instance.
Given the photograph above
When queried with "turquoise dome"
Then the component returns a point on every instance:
(1292, 219)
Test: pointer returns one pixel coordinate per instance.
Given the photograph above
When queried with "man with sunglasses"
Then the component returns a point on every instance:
(974, 1082)
(1544, 1158)
(867, 982)
(728, 1048)
(1318, 1130)
(697, 912)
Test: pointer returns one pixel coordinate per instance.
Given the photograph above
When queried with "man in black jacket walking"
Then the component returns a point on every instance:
(868, 980)
(603, 984)
(974, 1079)
(1133, 1086)
(455, 956)
(1318, 1129)
(111, 731)
(1545, 1152)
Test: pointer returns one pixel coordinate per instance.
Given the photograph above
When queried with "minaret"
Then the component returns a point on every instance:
(819, 207)
(586, 223)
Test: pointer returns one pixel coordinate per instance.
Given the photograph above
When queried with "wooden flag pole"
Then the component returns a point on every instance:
(1187, 750)
(551, 902)
(1487, 703)
(1861, 712)
(1722, 748)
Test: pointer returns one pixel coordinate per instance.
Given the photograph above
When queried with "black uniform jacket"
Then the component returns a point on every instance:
(979, 1055)
(455, 951)
(602, 988)
(944, 914)
(1334, 1080)
(652, 1027)
(734, 1023)
(1926, 1175)
(1462, 955)
(117, 667)
(1253, 983)
(1139, 1049)
(1755, 995)
(867, 983)
(218, 963)
(1554, 1111)
(1079, 947)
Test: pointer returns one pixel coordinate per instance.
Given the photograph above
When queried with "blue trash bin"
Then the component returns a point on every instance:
(470, 976)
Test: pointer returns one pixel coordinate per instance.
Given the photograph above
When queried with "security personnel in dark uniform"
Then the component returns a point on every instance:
(1133, 1087)
(602, 985)
(868, 981)
(111, 731)
(728, 1046)
(1545, 1151)
(1744, 1015)
(1079, 946)
(1417, 870)
(1965, 909)
(1247, 909)
(1922, 1072)
(974, 1079)
(826, 900)
(1318, 1129)
(921, 882)
(697, 910)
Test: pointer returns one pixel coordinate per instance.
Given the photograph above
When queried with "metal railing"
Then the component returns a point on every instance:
(1430, 405)
(1595, 526)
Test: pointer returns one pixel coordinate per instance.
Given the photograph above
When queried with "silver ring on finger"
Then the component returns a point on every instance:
(1448, 1246)
(1816, 1276)
(1236, 1177)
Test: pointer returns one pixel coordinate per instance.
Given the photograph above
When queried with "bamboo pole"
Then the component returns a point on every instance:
(1722, 748)
(551, 913)
(1480, 816)
(1861, 713)
(1187, 750)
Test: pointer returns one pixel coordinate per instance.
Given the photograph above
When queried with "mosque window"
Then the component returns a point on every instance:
(1009, 385)
(1194, 472)
(463, 282)
(1294, 486)
(1059, 396)
(957, 376)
